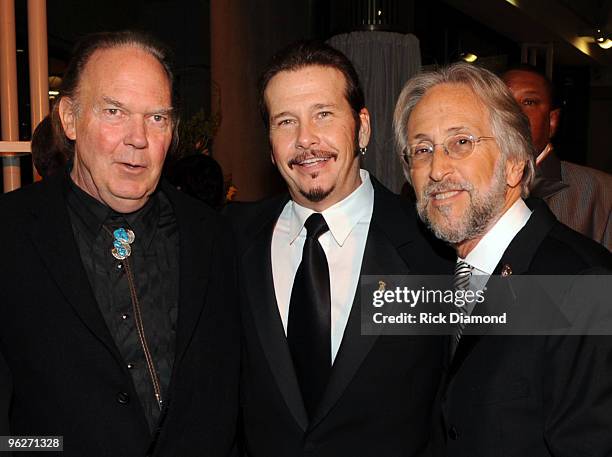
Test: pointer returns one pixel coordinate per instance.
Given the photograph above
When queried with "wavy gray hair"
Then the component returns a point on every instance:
(509, 125)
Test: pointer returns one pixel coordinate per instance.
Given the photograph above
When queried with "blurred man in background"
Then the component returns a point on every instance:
(580, 197)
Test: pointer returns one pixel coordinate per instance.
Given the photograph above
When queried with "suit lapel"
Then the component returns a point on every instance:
(516, 260)
(51, 232)
(195, 254)
(501, 295)
(259, 287)
(380, 257)
(387, 251)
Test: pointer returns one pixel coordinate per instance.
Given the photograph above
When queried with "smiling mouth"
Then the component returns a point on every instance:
(445, 195)
(311, 159)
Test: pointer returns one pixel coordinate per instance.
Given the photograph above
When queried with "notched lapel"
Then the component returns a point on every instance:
(515, 260)
(259, 286)
(498, 291)
(196, 235)
(379, 257)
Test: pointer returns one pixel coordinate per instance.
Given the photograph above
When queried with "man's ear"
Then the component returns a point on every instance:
(553, 119)
(67, 115)
(514, 172)
(364, 128)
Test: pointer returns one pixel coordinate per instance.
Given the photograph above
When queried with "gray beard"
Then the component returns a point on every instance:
(482, 209)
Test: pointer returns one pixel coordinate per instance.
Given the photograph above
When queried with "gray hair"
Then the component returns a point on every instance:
(509, 125)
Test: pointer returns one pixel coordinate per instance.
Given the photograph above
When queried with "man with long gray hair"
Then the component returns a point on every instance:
(466, 148)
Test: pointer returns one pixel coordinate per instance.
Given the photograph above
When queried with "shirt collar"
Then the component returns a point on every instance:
(490, 249)
(341, 217)
(94, 214)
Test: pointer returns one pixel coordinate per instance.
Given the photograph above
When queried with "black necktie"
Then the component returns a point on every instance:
(309, 325)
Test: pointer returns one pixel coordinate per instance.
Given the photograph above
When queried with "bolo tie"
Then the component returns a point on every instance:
(121, 250)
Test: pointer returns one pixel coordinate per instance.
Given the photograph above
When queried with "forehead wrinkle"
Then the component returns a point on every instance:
(324, 105)
(449, 131)
(118, 104)
(112, 101)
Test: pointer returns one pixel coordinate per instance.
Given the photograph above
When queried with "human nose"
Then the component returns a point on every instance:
(136, 134)
(307, 136)
(441, 164)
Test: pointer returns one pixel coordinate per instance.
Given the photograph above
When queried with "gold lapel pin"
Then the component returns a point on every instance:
(506, 270)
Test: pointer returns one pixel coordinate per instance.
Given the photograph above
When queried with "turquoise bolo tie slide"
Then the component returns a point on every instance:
(121, 243)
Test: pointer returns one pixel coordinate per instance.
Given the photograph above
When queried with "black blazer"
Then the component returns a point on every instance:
(380, 394)
(534, 395)
(67, 374)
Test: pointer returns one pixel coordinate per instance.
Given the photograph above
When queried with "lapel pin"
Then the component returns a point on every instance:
(381, 286)
(506, 270)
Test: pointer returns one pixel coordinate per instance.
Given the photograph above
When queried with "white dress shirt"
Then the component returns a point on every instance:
(344, 244)
(488, 252)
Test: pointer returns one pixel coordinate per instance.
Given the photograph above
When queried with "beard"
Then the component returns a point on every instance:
(316, 194)
(482, 208)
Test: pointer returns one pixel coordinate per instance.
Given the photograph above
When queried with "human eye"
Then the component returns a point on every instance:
(462, 140)
(112, 112)
(529, 102)
(285, 122)
(159, 120)
(422, 149)
(460, 144)
(113, 115)
(324, 114)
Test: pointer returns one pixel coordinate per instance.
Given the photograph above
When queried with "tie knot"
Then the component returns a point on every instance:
(463, 268)
(315, 226)
(463, 272)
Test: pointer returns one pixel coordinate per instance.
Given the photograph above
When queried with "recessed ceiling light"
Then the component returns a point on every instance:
(468, 57)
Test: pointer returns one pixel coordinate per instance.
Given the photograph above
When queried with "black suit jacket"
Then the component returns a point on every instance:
(534, 396)
(67, 374)
(381, 390)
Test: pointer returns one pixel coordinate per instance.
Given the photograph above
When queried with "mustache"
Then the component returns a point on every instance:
(311, 154)
(445, 186)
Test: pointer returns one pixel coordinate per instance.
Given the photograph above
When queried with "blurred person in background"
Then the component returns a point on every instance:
(47, 153)
(580, 197)
(200, 176)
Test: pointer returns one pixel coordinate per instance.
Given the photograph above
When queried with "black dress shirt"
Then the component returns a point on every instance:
(154, 263)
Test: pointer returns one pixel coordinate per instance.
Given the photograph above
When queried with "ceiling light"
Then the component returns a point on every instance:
(468, 57)
(605, 44)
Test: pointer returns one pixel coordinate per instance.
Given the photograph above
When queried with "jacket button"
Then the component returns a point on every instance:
(123, 398)
(453, 434)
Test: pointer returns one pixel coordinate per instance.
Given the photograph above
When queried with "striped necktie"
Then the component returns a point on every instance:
(461, 281)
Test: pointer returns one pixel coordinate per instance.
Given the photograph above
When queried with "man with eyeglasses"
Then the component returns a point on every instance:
(467, 151)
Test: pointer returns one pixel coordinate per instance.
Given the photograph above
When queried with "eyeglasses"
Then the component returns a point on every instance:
(456, 147)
